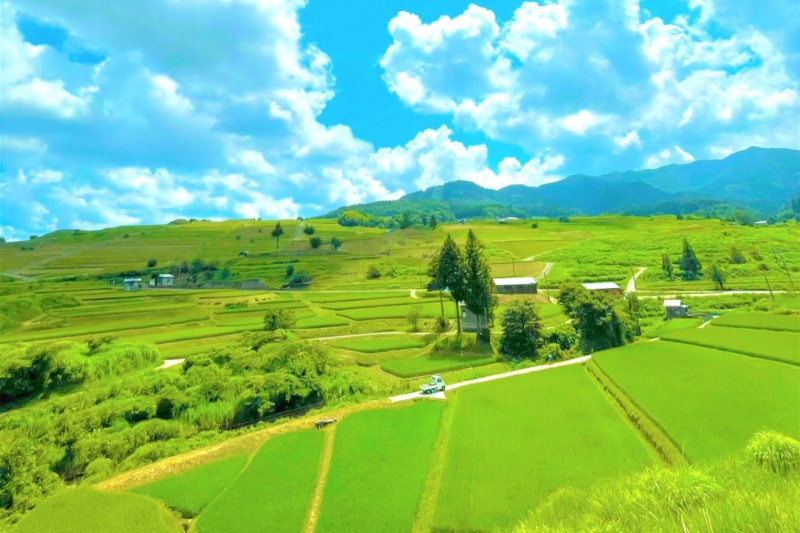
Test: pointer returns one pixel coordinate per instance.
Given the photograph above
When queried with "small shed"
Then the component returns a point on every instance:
(604, 286)
(166, 280)
(515, 285)
(132, 284)
(469, 320)
(675, 309)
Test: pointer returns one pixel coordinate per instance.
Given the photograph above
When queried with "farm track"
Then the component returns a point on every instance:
(310, 523)
(632, 283)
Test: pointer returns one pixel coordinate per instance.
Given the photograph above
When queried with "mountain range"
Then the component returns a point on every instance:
(760, 179)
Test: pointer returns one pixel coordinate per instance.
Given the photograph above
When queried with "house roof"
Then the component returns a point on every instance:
(672, 303)
(514, 281)
(166, 276)
(603, 285)
(132, 280)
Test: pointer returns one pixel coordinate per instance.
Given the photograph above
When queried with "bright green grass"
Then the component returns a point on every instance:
(84, 510)
(710, 402)
(759, 321)
(191, 491)
(429, 309)
(380, 461)
(276, 304)
(378, 345)
(320, 322)
(516, 440)
(362, 304)
(421, 366)
(776, 345)
(676, 324)
(273, 492)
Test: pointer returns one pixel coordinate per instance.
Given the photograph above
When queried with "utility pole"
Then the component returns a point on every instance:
(782, 263)
(768, 287)
(513, 268)
(546, 286)
(419, 270)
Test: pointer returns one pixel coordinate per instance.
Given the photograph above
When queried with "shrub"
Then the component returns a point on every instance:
(413, 316)
(373, 272)
(289, 270)
(315, 242)
(279, 319)
(301, 277)
(563, 219)
(775, 452)
(151, 263)
(127, 235)
(535, 225)
(442, 324)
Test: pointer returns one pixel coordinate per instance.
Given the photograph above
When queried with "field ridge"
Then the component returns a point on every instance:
(312, 516)
(651, 432)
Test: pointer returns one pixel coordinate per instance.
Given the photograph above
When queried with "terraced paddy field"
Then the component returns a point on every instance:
(274, 491)
(191, 491)
(429, 309)
(377, 345)
(514, 441)
(377, 473)
(676, 324)
(84, 509)
(425, 365)
(708, 401)
(759, 321)
(781, 346)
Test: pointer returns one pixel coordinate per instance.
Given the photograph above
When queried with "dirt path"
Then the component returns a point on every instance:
(168, 363)
(413, 395)
(324, 467)
(546, 270)
(299, 233)
(414, 293)
(632, 283)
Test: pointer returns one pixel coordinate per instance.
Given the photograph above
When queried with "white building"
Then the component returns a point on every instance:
(166, 280)
(132, 284)
(675, 309)
(604, 286)
(525, 285)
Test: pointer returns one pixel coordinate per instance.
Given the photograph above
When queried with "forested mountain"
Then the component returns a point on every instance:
(761, 179)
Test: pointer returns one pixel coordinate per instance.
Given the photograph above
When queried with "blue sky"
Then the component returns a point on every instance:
(147, 111)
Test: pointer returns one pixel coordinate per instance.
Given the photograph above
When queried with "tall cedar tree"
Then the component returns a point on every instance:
(277, 233)
(481, 298)
(432, 223)
(600, 325)
(666, 266)
(309, 230)
(521, 329)
(690, 265)
(718, 275)
(447, 272)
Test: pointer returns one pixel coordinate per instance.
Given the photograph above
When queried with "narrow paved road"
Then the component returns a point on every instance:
(412, 395)
(632, 283)
(546, 270)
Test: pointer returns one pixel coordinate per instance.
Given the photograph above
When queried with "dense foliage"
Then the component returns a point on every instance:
(521, 330)
(601, 321)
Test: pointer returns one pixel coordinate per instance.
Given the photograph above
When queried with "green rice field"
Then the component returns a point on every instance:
(274, 491)
(191, 491)
(708, 401)
(420, 366)
(776, 345)
(759, 321)
(516, 440)
(321, 322)
(83, 509)
(676, 324)
(430, 309)
(378, 345)
(377, 473)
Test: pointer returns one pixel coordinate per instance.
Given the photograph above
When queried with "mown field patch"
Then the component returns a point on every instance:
(776, 345)
(83, 509)
(380, 460)
(273, 492)
(516, 440)
(378, 345)
(710, 402)
(191, 491)
(420, 366)
(759, 321)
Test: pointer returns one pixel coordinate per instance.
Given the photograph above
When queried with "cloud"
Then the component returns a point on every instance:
(630, 139)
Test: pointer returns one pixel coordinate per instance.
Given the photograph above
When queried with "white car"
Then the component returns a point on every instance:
(436, 384)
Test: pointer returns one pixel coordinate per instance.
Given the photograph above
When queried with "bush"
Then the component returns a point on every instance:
(301, 277)
(289, 270)
(442, 324)
(373, 272)
(315, 242)
(279, 319)
(535, 225)
(563, 219)
(775, 452)
(413, 316)
(151, 263)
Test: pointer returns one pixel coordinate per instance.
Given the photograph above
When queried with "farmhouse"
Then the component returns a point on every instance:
(515, 285)
(605, 286)
(132, 284)
(675, 309)
(166, 280)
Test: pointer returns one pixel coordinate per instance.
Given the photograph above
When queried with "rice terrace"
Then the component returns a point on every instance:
(304, 266)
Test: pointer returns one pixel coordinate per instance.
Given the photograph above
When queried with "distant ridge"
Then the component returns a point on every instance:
(761, 179)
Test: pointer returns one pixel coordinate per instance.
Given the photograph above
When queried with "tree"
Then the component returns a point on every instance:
(535, 225)
(666, 266)
(277, 319)
(521, 330)
(2, 239)
(373, 272)
(736, 257)
(151, 263)
(289, 270)
(405, 220)
(413, 316)
(432, 223)
(599, 324)
(718, 275)
(447, 272)
(336, 243)
(225, 273)
(570, 296)
(309, 230)
(301, 277)
(277, 233)
(744, 217)
(690, 265)
(315, 242)
(679, 216)
(480, 290)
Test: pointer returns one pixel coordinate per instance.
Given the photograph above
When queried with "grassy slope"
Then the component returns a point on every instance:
(191, 491)
(710, 402)
(273, 492)
(82, 510)
(380, 460)
(516, 440)
(776, 345)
